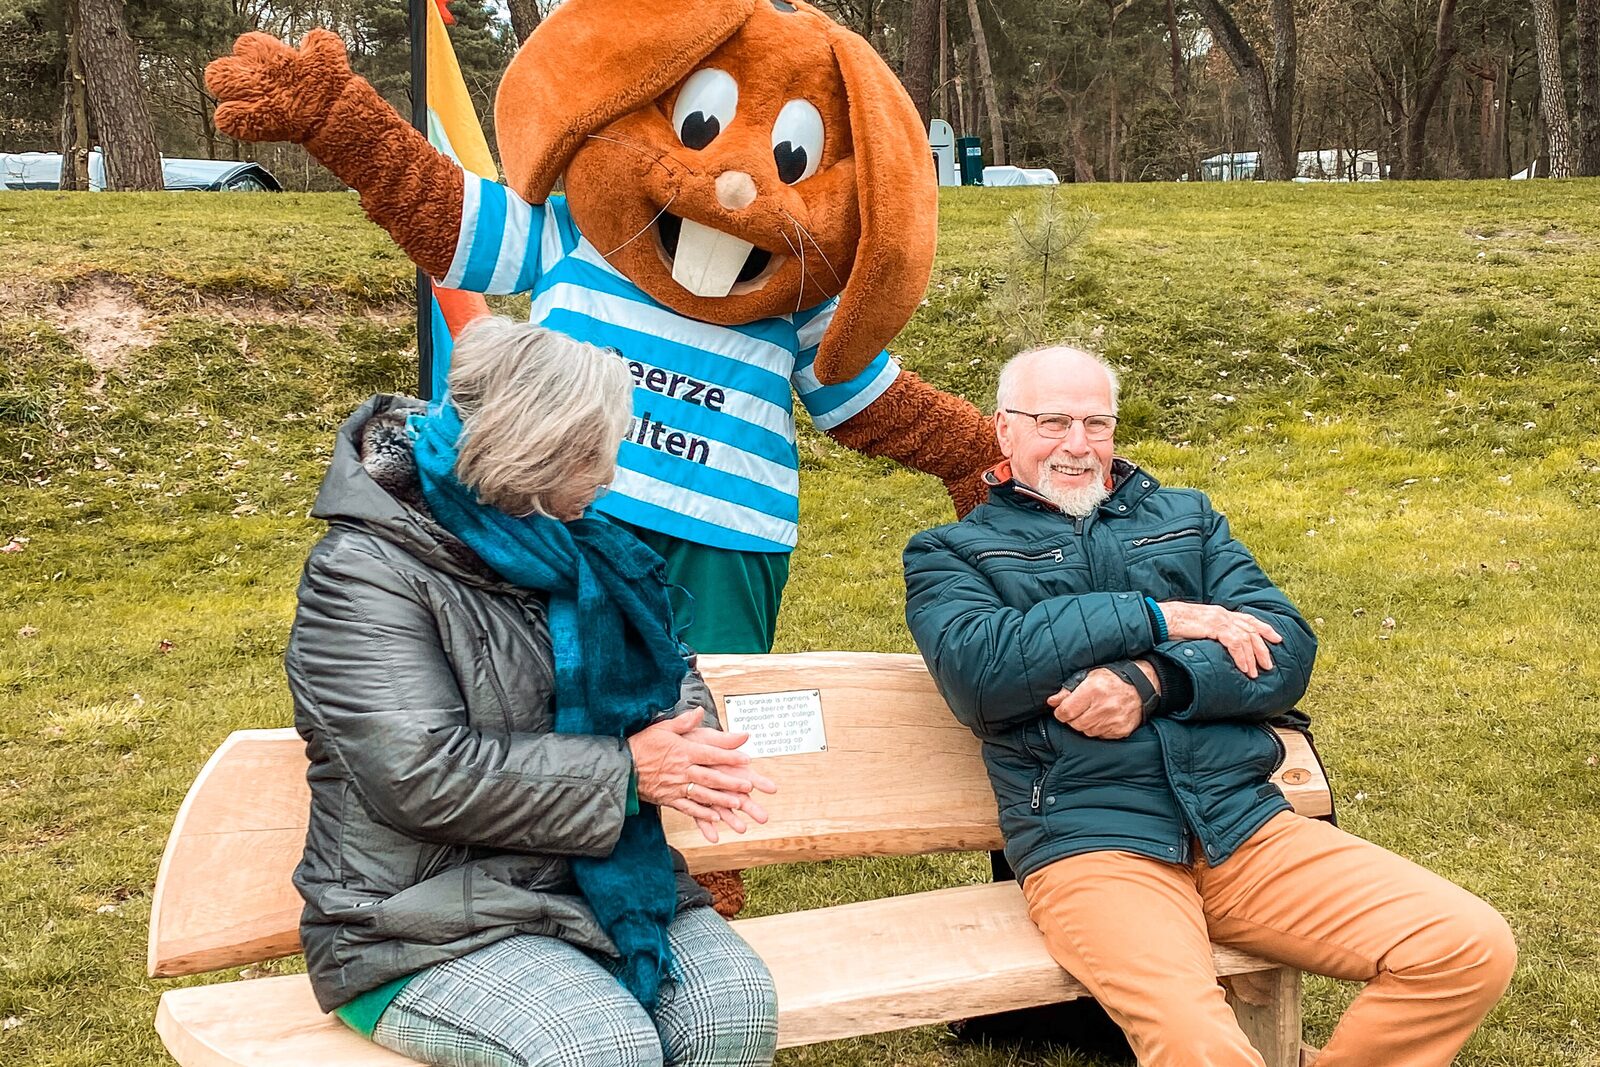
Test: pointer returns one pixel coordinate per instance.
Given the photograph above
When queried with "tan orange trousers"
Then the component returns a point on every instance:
(1136, 932)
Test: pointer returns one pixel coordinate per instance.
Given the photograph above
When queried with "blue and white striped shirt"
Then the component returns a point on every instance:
(710, 454)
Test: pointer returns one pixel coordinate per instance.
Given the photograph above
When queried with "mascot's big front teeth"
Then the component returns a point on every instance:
(708, 262)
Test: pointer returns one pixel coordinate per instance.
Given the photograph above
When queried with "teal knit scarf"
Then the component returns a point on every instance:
(617, 663)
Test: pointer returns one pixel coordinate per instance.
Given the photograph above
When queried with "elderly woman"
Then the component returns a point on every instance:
(495, 705)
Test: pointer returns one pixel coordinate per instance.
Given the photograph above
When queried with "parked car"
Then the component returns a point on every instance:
(42, 170)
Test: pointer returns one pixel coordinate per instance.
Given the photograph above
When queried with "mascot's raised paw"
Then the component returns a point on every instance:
(269, 91)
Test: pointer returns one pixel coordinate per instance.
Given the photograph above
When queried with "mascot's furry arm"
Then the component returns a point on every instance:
(930, 431)
(272, 92)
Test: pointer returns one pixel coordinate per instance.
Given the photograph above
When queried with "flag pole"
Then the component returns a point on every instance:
(419, 119)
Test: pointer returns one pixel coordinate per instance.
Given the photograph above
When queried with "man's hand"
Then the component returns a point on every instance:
(1103, 705)
(1244, 636)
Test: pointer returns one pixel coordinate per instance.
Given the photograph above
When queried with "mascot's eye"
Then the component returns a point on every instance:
(704, 107)
(797, 141)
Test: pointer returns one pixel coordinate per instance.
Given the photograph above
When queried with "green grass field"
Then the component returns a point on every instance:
(1392, 390)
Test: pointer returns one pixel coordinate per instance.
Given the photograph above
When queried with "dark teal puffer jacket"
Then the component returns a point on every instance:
(1014, 599)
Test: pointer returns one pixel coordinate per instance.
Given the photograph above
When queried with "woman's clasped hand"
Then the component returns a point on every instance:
(687, 766)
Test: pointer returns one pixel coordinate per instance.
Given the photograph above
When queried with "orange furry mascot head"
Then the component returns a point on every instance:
(736, 159)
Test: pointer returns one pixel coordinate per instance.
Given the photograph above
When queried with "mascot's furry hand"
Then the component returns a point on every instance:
(726, 889)
(269, 91)
(272, 92)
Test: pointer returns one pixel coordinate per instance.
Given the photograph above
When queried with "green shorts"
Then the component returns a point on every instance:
(733, 597)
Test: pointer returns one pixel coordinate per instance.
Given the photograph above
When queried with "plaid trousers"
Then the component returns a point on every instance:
(532, 1001)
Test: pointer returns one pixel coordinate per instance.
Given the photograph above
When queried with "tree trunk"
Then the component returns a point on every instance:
(1114, 107)
(1179, 96)
(1588, 132)
(942, 94)
(967, 93)
(991, 95)
(1285, 50)
(1489, 156)
(1444, 51)
(1535, 147)
(1268, 96)
(1503, 116)
(922, 51)
(1454, 162)
(116, 97)
(74, 113)
(525, 17)
(1552, 91)
(1082, 165)
(1114, 133)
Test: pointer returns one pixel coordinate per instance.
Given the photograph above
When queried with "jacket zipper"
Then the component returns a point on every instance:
(1277, 742)
(1051, 554)
(1080, 527)
(1193, 531)
(1038, 788)
(494, 682)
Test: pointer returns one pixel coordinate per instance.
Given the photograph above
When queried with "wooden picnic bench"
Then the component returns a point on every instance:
(898, 776)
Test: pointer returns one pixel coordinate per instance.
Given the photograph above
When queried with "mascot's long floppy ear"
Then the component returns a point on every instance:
(591, 62)
(898, 193)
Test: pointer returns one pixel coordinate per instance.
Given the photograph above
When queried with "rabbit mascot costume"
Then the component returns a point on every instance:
(749, 215)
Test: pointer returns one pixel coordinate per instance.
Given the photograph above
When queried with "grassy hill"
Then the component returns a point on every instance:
(1390, 389)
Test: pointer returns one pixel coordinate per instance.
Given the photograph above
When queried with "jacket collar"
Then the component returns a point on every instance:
(372, 485)
(1128, 483)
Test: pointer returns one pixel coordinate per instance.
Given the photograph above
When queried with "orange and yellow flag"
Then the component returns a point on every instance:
(453, 129)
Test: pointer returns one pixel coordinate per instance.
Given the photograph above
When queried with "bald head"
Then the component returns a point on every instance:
(1070, 388)
(1025, 372)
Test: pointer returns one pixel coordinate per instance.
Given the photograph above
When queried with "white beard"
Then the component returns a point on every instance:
(1077, 502)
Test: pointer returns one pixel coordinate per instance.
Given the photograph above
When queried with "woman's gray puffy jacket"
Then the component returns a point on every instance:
(442, 807)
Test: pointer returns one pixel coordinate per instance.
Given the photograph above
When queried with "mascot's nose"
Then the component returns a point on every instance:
(735, 189)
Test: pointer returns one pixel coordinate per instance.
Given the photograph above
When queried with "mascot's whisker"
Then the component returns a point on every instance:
(642, 232)
(799, 253)
(813, 240)
(654, 157)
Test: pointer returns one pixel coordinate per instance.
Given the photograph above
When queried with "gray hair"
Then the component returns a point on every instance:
(538, 410)
(1014, 367)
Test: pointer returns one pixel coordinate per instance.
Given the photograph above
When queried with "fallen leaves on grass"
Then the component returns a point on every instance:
(28, 631)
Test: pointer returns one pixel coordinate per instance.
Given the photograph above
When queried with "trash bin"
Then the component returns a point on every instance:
(970, 152)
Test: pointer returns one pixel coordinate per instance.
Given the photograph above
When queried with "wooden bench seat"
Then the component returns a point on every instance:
(223, 897)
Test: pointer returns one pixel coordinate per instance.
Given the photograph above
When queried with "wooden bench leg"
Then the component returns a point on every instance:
(1273, 1026)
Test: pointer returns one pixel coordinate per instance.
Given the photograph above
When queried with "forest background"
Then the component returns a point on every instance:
(1099, 90)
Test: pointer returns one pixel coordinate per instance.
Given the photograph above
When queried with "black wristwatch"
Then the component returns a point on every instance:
(1128, 671)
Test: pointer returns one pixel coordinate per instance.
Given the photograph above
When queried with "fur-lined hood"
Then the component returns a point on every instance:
(372, 483)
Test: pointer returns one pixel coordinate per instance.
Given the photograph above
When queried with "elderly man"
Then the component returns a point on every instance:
(1120, 655)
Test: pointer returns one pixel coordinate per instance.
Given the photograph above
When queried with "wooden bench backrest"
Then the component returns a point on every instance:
(899, 776)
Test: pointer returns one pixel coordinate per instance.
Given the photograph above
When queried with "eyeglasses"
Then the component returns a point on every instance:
(1054, 425)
